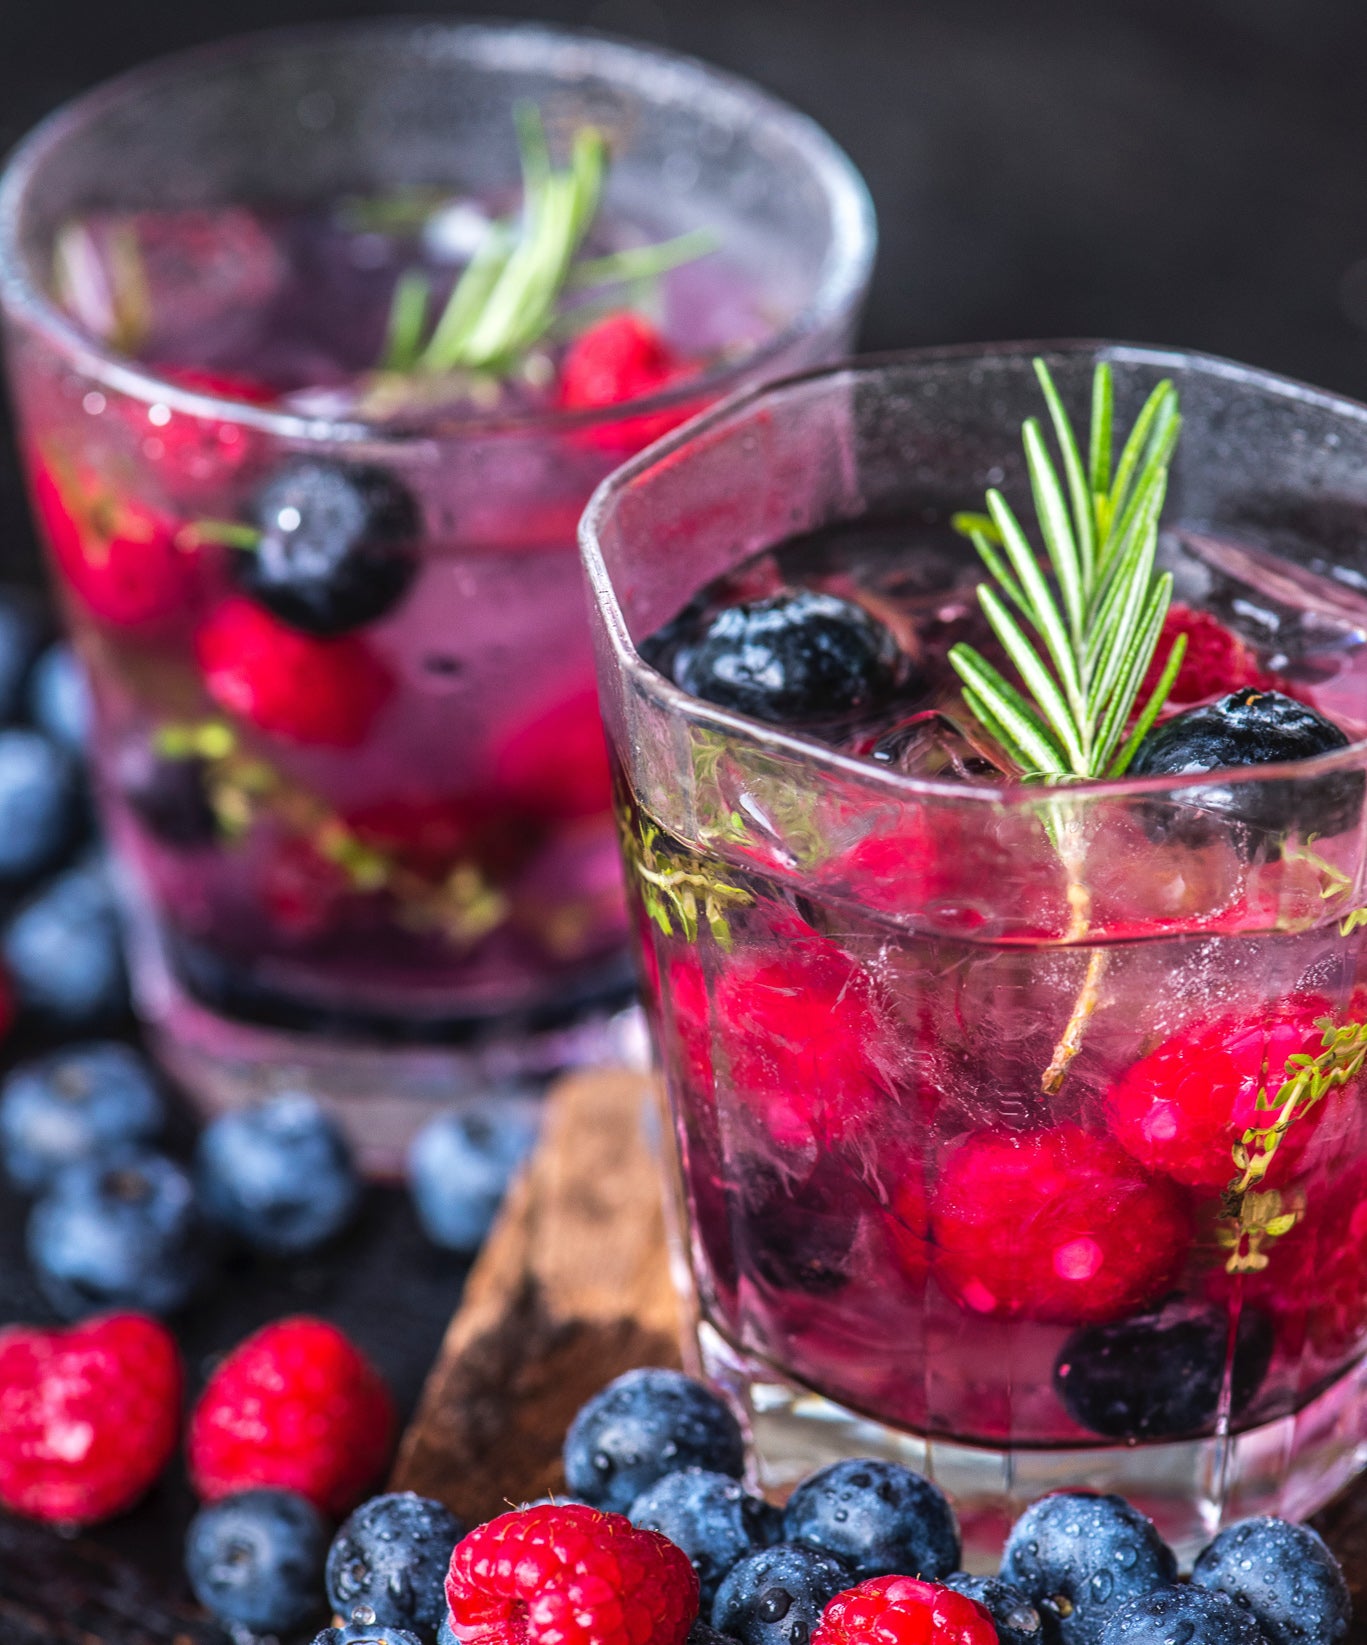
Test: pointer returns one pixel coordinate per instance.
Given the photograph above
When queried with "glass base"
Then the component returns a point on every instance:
(1289, 1466)
(383, 1087)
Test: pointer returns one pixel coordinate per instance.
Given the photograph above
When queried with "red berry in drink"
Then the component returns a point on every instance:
(1181, 1109)
(297, 1407)
(89, 1416)
(120, 559)
(804, 1040)
(556, 764)
(427, 833)
(620, 358)
(1217, 661)
(199, 451)
(300, 889)
(567, 1574)
(902, 1610)
(302, 689)
(1053, 1225)
(688, 1018)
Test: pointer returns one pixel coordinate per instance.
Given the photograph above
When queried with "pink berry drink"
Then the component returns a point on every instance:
(309, 417)
(1018, 1124)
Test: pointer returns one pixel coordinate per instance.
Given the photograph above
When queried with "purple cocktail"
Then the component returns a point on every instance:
(309, 411)
(1017, 1105)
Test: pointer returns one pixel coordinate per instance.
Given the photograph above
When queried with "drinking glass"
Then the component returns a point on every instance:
(915, 1227)
(398, 880)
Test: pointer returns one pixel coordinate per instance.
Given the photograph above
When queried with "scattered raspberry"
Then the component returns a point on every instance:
(427, 833)
(120, 558)
(801, 1034)
(88, 1417)
(557, 764)
(569, 1575)
(301, 890)
(1053, 1225)
(297, 1408)
(303, 689)
(1217, 660)
(688, 1018)
(899, 1610)
(1181, 1109)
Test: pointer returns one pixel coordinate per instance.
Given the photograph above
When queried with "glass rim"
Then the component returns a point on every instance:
(845, 269)
(667, 451)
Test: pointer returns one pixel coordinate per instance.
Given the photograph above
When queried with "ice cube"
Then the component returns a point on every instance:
(931, 744)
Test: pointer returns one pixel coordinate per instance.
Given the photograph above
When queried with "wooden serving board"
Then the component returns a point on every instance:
(574, 1287)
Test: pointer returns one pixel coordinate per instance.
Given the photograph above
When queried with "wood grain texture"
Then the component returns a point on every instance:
(572, 1289)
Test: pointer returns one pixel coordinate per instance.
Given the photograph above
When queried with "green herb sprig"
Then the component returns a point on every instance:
(1081, 626)
(509, 295)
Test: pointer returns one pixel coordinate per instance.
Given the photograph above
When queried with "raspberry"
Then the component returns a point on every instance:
(1217, 661)
(88, 1416)
(303, 689)
(295, 1408)
(800, 1032)
(569, 1575)
(1181, 1109)
(900, 1610)
(427, 833)
(120, 559)
(300, 889)
(556, 765)
(688, 1018)
(1053, 1225)
(622, 358)
(199, 450)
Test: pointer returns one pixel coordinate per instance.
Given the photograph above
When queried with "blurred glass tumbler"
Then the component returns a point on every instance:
(385, 866)
(856, 974)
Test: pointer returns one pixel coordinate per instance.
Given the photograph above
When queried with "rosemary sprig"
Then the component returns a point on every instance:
(1082, 625)
(509, 295)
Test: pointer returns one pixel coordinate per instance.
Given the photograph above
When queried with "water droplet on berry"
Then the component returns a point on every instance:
(1102, 1586)
(774, 1604)
(363, 1616)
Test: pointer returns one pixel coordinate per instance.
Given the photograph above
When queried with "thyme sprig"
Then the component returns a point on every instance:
(1080, 625)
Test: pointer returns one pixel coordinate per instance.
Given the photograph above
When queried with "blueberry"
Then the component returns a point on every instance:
(169, 797)
(1016, 1620)
(73, 1103)
(1078, 1558)
(1190, 1615)
(278, 1175)
(1248, 728)
(40, 804)
(21, 638)
(698, 1634)
(776, 1596)
(59, 698)
(793, 658)
(879, 1517)
(1160, 1374)
(712, 1517)
(392, 1556)
(645, 1425)
(366, 1633)
(338, 546)
(63, 953)
(446, 1634)
(794, 1235)
(121, 1231)
(255, 1560)
(1284, 1575)
(460, 1164)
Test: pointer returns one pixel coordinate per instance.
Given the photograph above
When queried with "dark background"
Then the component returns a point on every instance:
(1175, 171)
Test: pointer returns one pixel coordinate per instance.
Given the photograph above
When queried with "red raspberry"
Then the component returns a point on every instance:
(557, 764)
(200, 450)
(297, 1407)
(906, 1221)
(427, 833)
(1181, 1109)
(301, 890)
(801, 1033)
(88, 1417)
(303, 689)
(569, 1575)
(900, 1610)
(689, 1018)
(622, 358)
(1217, 661)
(1053, 1225)
(120, 559)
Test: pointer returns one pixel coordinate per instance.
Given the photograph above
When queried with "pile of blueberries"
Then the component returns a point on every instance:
(1078, 1569)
